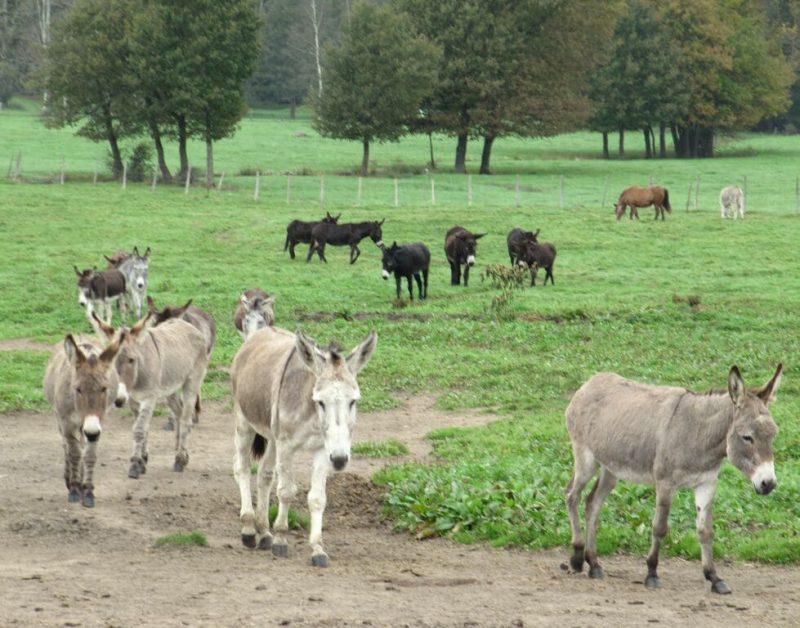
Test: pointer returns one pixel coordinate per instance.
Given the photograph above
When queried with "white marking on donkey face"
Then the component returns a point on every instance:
(764, 478)
(336, 409)
(122, 395)
(470, 260)
(385, 274)
(83, 297)
(91, 427)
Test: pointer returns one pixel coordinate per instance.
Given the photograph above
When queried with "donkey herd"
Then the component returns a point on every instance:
(290, 393)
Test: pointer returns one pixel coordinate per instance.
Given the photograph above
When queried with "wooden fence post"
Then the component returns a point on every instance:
(288, 189)
(433, 192)
(744, 191)
(469, 190)
(62, 171)
(689, 196)
(155, 181)
(221, 179)
(605, 191)
(516, 193)
(96, 168)
(396, 193)
(124, 176)
(360, 190)
(561, 188)
(257, 190)
(188, 180)
(697, 194)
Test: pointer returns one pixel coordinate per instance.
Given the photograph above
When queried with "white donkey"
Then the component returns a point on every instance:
(255, 311)
(731, 202)
(153, 363)
(135, 268)
(294, 395)
(81, 384)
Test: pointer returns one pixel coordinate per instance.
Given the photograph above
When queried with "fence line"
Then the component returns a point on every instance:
(503, 191)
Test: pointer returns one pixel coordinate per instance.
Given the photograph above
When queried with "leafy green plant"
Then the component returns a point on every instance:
(507, 279)
(182, 539)
(382, 449)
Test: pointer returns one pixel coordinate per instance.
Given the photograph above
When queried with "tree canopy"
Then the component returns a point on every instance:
(376, 80)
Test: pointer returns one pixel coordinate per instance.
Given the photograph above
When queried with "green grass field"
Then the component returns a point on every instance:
(621, 301)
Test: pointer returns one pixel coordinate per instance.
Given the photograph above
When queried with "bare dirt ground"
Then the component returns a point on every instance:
(64, 565)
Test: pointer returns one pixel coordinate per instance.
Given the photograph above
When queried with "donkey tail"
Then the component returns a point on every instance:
(666, 200)
(259, 447)
(286, 243)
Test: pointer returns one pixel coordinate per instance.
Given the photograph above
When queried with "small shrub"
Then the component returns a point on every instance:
(382, 449)
(182, 539)
(140, 163)
(507, 279)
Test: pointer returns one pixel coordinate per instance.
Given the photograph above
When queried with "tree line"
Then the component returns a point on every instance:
(374, 71)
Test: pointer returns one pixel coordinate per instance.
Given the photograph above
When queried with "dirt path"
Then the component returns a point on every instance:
(63, 565)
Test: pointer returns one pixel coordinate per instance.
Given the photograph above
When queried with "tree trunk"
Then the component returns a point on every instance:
(315, 22)
(155, 133)
(365, 159)
(648, 153)
(705, 142)
(694, 139)
(486, 154)
(605, 145)
(676, 139)
(461, 153)
(293, 109)
(116, 156)
(621, 141)
(662, 140)
(209, 162)
(182, 139)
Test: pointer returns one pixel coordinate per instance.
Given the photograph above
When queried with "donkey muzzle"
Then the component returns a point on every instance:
(470, 260)
(764, 480)
(91, 427)
(339, 461)
(385, 274)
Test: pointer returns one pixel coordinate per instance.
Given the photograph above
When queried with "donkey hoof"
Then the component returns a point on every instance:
(137, 469)
(319, 560)
(74, 496)
(88, 500)
(576, 562)
(652, 582)
(178, 466)
(265, 543)
(280, 550)
(596, 572)
(169, 426)
(249, 540)
(720, 587)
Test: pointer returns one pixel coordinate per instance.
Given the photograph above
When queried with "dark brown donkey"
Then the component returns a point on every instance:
(460, 247)
(348, 234)
(300, 231)
(97, 290)
(673, 438)
(635, 197)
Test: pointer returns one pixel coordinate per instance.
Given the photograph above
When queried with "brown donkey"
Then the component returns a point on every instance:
(670, 437)
(635, 197)
(81, 384)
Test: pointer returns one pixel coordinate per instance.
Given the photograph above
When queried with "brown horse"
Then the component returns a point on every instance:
(635, 197)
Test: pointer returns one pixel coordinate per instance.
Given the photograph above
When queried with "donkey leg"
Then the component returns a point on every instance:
(704, 501)
(183, 429)
(72, 466)
(311, 249)
(266, 482)
(585, 468)
(89, 461)
(243, 438)
(398, 282)
(425, 284)
(410, 282)
(357, 252)
(660, 529)
(594, 504)
(317, 500)
(286, 491)
(418, 279)
(466, 275)
(141, 426)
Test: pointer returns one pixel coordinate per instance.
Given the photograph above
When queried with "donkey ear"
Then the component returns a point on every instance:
(146, 253)
(101, 327)
(769, 392)
(74, 354)
(310, 353)
(151, 305)
(243, 299)
(360, 356)
(77, 272)
(136, 251)
(478, 236)
(735, 385)
(382, 221)
(111, 351)
(140, 325)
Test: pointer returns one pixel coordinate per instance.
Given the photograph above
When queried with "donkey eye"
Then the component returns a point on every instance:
(747, 438)
(131, 360)
(78, 390)
(352, 404)
(321, 406)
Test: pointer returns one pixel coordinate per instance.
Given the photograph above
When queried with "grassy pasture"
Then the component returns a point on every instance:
(621, 302)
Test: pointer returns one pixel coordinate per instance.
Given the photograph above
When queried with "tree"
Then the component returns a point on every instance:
(85, 73)
(376, 79)
(510, 67)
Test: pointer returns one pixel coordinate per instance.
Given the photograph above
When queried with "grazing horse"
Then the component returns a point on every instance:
(515, 240)
(300, 231)
(673, 438)
(635, 197)
(135, 267)
(536, 255)
(290, 394)
(81, 384)
(407, 261)
(340, 235)
(97, 290)
(168, 361)
(460, 247)
(256, 310)
(731, 202)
